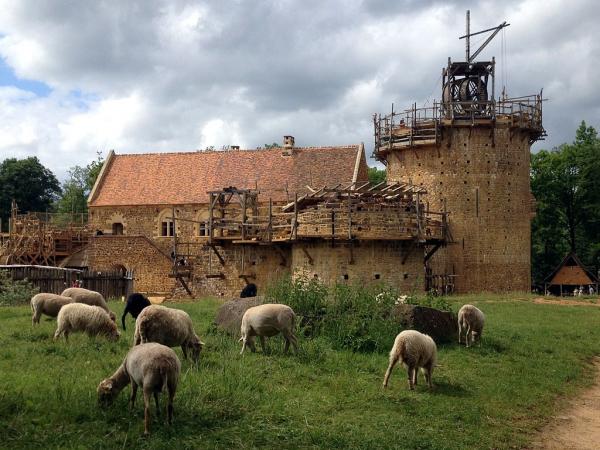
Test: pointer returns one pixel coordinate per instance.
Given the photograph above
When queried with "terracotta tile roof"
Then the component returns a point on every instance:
(182, 178)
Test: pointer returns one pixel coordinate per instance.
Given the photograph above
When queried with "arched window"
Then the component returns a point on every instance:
(166, 227)
(117, 228)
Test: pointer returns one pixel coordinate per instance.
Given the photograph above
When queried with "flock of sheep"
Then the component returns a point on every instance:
(154, 366)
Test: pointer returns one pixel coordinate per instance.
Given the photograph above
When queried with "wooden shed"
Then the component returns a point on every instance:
(570, 275)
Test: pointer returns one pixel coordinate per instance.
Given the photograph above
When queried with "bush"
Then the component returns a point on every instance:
(14, 293)
(431, 301)
(351, 317)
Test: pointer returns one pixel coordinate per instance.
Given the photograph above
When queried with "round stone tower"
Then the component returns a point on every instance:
(471, 153)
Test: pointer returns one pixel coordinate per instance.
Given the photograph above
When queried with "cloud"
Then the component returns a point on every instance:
(158, 75)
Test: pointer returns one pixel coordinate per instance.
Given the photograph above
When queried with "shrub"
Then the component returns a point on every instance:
(351, 317)
(13, 292)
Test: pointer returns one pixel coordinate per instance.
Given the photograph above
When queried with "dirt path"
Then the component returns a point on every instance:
(546, 301)
(576, 427)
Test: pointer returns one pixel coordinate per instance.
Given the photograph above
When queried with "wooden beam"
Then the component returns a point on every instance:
(310, 260)
(432, 251)
(185, 286)
(214, 249)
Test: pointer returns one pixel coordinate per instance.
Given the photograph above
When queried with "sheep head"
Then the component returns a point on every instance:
(196, 347)
(107, 391)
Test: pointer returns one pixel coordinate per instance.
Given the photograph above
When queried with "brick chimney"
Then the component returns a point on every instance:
(288, 146)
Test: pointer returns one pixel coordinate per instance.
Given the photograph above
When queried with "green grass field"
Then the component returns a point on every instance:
(532, 358)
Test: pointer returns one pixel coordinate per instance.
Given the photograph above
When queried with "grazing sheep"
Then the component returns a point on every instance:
(470, 319)
(49, 304)
(153, 367)
(249, 290)
(167, 326)
(268, 320)
(415, 350)
(92, 298)
(135, 303)
(93, 320)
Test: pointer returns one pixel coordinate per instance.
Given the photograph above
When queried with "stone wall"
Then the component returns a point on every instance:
(151, 266)
(141, 247)
(365, 262)
(487, 194)
(368, 222)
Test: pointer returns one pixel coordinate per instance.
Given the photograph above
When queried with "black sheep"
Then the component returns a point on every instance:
(248, 291)
(135, 303)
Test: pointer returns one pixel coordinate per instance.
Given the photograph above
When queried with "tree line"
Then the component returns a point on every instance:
(35, 188)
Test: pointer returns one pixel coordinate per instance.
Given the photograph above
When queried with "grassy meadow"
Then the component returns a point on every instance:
(532, 358)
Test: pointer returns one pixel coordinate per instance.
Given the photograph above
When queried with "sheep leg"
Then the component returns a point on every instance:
(388, 372)
(57, 333)
(459, 332)
(35, 318)
(289, 337)
(134, 388)
(171, 387)
(469, 334)
(156, 403)
(428, 372)
(411, 377)
(250, 342)
(263, 344)
(183, 349)
(146, 411)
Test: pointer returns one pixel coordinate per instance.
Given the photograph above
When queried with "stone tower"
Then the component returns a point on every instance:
(471, 153)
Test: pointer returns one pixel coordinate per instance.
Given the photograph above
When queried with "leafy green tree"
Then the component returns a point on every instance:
(565, 184)
(78, 186)
(273, 145)
(33, 186)
(376, 175)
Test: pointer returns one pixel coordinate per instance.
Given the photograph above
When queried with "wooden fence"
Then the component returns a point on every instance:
(111, 284)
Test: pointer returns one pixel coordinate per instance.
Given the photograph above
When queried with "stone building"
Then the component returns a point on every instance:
(471, 153)
(208, 222)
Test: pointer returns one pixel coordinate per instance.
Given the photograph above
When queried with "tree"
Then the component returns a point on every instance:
(33, 186)
(565, 184)
(376, 175)
(78, 186)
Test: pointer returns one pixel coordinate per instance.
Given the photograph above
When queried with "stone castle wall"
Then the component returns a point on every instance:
(142, 249)
(367, 262)
(486, 191)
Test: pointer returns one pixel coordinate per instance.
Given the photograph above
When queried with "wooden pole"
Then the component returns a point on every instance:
(349, 216)
(244, 217)
(210, 218)
(270, 229)
(295, 216)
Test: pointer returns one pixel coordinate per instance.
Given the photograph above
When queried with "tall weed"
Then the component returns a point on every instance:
(14, 293)
(351, 317)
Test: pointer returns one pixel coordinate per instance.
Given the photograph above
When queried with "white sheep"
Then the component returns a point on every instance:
(471, 320)
(48, 304)
(92, 298)
(167, 326)
(92, 320)
(268, 320)
(414, 350)
(152, 366)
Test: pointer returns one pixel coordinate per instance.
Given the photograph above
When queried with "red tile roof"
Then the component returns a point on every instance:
(183, 178)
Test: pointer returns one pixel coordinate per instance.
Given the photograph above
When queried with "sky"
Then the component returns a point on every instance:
(149, 76)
